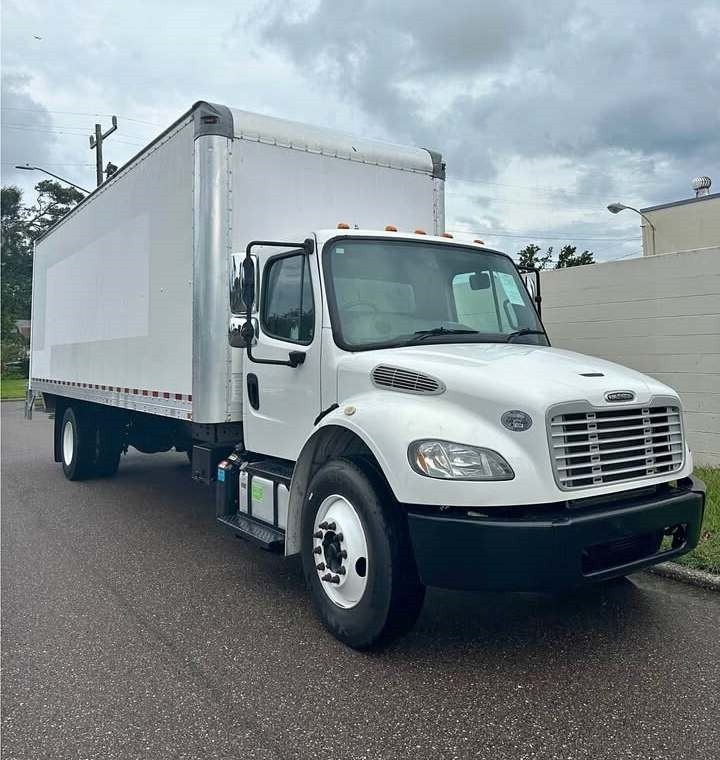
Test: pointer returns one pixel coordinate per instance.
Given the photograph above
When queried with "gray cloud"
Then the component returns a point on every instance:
(545, 111)
(575, 80)
(26, 136)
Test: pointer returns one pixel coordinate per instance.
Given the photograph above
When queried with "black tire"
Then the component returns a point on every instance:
(393, 596)
(109, 446)
(77, 448)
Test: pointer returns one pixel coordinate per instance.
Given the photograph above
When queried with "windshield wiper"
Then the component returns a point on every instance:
(419, 335)
(525, 331)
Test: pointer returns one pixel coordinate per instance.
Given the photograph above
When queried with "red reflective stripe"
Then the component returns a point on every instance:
(114, 388)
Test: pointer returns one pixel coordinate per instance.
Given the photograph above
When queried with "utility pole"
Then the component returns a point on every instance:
(96, 142)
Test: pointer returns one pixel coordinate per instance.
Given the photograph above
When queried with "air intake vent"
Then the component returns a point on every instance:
(398, 379)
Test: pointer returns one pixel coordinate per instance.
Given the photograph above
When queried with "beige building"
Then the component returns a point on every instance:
(657, 314)
(688, 225)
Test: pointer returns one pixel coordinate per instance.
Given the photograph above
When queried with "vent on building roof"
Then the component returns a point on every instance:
(409, 381)
(701, 186)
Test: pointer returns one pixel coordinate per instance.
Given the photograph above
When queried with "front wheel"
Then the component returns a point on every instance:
(357, 558)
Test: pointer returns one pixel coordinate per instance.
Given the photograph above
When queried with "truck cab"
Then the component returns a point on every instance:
(432, 434)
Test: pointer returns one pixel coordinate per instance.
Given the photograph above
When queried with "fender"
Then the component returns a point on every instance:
(338, 422)
(386, 423)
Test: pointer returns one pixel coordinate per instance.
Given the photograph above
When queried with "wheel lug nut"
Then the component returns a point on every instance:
(331, 526)
(335, 579)
(340, 537)
(318, 534)
(320, 566)
(324, 525)
(343, 553)
(317, 550)
(327, 577)
(341, 571)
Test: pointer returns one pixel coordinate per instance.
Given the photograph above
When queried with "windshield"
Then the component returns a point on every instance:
(392, 293)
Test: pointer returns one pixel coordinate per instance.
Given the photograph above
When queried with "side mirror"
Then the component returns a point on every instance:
(243, 336)
(479, 281)
(248, 285)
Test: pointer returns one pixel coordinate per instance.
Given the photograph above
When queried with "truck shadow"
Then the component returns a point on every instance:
(504, 625)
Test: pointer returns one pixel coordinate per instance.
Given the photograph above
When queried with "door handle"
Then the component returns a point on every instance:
(253, 390)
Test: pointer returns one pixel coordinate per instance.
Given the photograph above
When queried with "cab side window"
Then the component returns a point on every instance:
(288, 309)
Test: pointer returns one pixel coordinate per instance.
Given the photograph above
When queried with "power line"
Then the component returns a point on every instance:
(518, 201)
(531, 235)
(60, 128)
(534, 188)
(81, 113)
(23, 127)
(15, 163)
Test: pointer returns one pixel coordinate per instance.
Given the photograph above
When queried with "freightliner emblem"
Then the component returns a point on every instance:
(619, 396)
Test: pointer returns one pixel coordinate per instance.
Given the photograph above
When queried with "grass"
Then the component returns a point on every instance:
(13, 388)
(707, 554)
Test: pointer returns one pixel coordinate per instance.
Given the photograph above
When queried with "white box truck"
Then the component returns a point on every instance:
(382, 400)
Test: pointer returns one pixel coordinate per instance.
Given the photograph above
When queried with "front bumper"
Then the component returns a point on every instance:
(558, 547)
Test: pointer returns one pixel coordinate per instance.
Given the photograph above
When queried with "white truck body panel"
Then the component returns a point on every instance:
(113, 288)
(131, 290)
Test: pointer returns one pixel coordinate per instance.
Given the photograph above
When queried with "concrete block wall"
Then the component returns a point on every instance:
(659, 315)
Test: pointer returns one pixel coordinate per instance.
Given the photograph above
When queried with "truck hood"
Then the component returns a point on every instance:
(511, 374)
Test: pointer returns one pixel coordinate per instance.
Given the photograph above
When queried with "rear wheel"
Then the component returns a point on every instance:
(357, 558)
(77, 443)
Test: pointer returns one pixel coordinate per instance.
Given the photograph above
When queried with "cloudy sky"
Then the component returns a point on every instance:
(545, 111)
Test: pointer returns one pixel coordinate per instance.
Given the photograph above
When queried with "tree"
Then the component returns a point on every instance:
(19, 226)
(568, 257)
(530, 258)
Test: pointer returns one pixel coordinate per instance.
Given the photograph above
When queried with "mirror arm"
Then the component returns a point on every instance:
(295, 358)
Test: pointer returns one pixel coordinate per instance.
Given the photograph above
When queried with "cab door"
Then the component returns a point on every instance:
(280, 402)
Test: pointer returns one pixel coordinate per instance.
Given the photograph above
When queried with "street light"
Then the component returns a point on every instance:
(616, 208)
(29, 168)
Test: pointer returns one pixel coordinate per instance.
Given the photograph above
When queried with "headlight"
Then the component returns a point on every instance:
(456, 461)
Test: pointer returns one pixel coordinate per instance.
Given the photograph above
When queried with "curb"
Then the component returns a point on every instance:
(689, 575)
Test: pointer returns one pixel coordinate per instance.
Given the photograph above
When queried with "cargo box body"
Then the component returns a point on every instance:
(131, 303)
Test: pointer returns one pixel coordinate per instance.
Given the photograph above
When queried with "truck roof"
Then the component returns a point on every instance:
(313, 139)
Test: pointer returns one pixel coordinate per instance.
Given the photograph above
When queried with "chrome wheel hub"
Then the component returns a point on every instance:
(340, 551)
(68, 443)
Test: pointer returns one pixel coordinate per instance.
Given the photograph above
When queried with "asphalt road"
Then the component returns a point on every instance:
(134, 627)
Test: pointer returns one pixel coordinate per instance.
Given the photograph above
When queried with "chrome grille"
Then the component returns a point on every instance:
(592, 448)
(399, 379)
